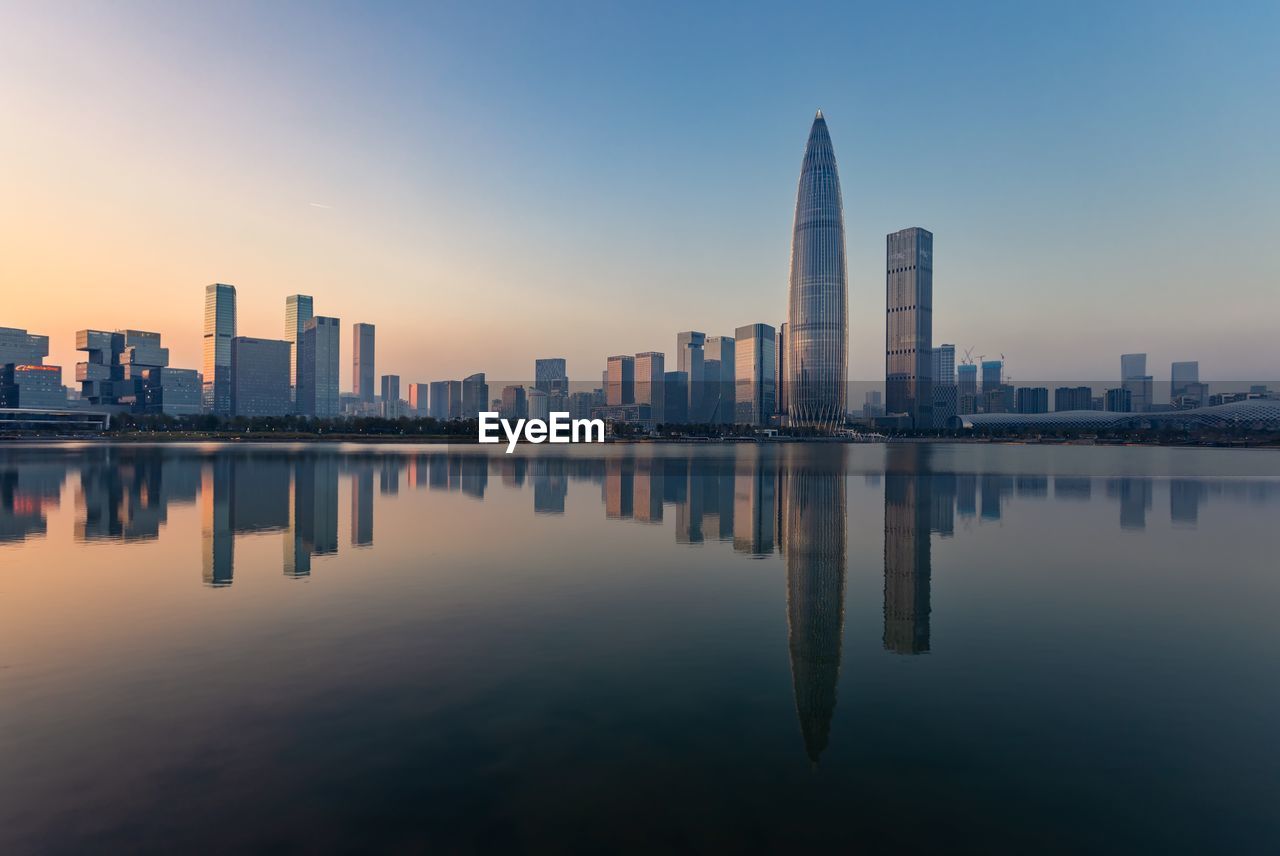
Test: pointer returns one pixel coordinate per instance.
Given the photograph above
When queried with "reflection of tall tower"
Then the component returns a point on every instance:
(754, 514)
(907, 507)
(362, 504)
(619, 487)
(815, 558)
(315, 495)
(217, 539)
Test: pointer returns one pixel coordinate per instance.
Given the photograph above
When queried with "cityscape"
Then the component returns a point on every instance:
(792, 375)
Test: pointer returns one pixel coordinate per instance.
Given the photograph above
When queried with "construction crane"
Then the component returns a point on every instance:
(968, 360)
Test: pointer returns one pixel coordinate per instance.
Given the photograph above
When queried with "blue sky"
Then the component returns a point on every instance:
(506, 181)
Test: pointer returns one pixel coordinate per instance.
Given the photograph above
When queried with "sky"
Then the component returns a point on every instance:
(488, 183)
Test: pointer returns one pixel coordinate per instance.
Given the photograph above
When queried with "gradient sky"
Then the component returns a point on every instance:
(488, 183)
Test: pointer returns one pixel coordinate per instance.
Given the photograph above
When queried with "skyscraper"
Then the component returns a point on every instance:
(362, 374)
(475, 396)
(755, 352)
(908, 355)
(720, 395)
(318, 367)
(219, 330)
(818, 317)
(419, 399)
(780, 370)
(1134, 378)
(390, 396)
(550, 375)
(650, 369)
(259, 376)
(622, 380)
(298, 310)
(1184, 380)
(689, 360)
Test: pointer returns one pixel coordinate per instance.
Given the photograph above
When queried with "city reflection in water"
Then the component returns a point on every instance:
(759, 500)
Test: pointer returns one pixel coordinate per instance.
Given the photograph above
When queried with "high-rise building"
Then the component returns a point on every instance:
(818, 316)
(675, 409)
(32, 386)
(129, 368)
(298, 310)
(1072, 398)
(967, 378)
(721, 396)
(944, 364)
(780, 370)
(362, 363)
(755, 350)
(909, 324)
(1119, 400)
(1184, 382)
(22, 348)
(1031, 399)
(390, 396)
(475, 396)
(318, 361)
(219, 330)
(419, 399)
(946, 395)
(690, 359)
(259, 376)
(621, 373)
(537, 405)
(514, 401)
(1134, 378)
(550, 375)
(992, 374)
(650, 377)
(438, 408)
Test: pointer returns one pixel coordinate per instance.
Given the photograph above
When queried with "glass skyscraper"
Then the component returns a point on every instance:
(219, 330)
(818, 317)
(298, 310)
(362, 363)
(908, 345)
(318, 367)
(754, 371)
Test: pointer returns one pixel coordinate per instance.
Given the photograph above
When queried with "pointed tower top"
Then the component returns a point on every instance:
(819, 115)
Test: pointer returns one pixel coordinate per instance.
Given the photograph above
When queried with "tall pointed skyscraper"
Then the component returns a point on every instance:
(818, 316)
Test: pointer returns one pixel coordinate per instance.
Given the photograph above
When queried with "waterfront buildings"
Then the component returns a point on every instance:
(650, 375)
(362, 363)
(1031, 399)
(621, 374)
(514, 401)
(780, 370)
(419, 399)
(129, 369)
(551, 376)
(298, 310)
(909, 325)
(537, 405)
(1072, 398)
(318, 359)
(475, 396)
(25, 381)
(689, 360)
(818, 319)
(719, 377)
(390, 396)
(1134, 378)
(1184, 384)
(755, 352)
(675, 398)
(219, 330)
(18, 347)
(946, 395)
(259, 376)
(438, 404)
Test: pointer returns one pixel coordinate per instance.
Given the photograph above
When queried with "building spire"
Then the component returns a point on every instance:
(819, 114)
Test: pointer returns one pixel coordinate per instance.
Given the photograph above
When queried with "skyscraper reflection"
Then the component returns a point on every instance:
(908, 508)
(362, 506)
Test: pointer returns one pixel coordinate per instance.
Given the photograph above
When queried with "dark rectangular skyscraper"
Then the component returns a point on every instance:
(362, 374)
(754, 355)
(318, 351)
(297, 312)
(259, 376)
(219, 330)
(909, 325)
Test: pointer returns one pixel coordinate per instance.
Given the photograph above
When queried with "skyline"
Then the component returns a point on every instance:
(1120, 169)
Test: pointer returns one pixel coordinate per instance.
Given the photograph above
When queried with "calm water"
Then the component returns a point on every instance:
(878, 648)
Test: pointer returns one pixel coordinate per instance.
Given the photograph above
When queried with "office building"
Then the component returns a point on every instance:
(817, 317)
(259, 376)
(675, 391)
(690, 358)
(551, 376)
(362, 363)
(18, 347)
(780, 370)
(946, 394)
(1134, 378)
(219, 330)
(514, 401)
(755, 349)
(650, 375)
(944, 364)
(1072, 398)
(32, 387)
(475, 396)
(298, 310)
(389, 397)
(992, 374)
(438, 406)
(621, 380)
(130, 369)
(1119, 401)
(419, 399)
(720, 378)
(537, 404)
(318, 361)
(909, 325)
(1184, 384)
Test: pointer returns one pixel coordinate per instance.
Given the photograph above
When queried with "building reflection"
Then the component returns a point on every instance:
(27, 494)
(908, 517)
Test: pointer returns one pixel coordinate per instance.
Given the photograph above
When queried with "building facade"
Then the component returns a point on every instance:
(318, 358)
(390, 396)
(259, 376)
(909, 325)
(755, 352)
(621, 374)
(219, 330)
(298, 310)
(650, 377)
(551, 375)
(362, 363)
(818, 317)
(690, 359)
